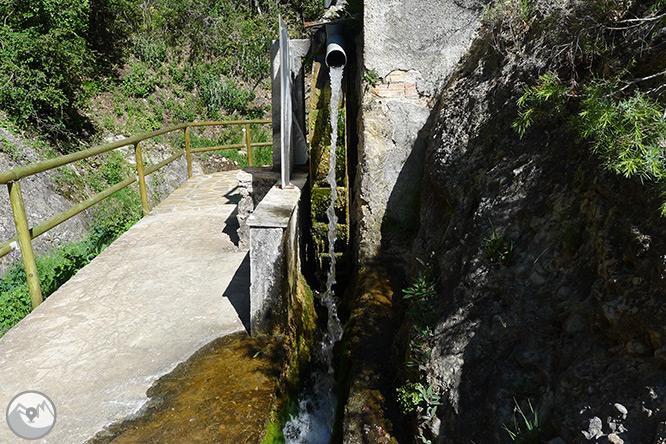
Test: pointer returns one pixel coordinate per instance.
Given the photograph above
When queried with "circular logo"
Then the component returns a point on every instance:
(31, 415)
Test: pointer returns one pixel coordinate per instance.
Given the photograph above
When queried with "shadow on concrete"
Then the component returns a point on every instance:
(231, 227)
(233, 195)
(238, 292)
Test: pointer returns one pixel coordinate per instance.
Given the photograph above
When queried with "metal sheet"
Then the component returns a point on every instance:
(285, 104)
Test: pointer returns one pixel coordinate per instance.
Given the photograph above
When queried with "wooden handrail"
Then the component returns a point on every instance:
(12, 177)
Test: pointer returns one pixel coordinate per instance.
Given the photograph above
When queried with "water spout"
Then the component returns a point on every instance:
(336, 57)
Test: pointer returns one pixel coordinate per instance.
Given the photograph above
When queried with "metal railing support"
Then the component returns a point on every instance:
(248, 144)
(23, 233)
(188, 152)
(142, 178)
(14, 175)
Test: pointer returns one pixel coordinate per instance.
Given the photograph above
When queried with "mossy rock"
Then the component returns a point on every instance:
(320, 139)
(320, 237)
(321, 199)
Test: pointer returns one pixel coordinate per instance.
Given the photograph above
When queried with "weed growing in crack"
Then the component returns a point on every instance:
(530, 431)
(497, 247)
(371, 77)
(416, 396)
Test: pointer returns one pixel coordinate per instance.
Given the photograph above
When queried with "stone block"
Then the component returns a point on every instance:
(390, 90)
(274, 250)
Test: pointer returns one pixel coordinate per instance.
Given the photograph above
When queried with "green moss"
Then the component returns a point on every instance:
(274, 433)
(320, 237)
(320, 135)
(321, 199)
(299, 342)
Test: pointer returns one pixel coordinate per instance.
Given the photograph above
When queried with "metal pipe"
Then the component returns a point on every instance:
(23, 233)
(42, 228)
(142, 179)
(335, 47)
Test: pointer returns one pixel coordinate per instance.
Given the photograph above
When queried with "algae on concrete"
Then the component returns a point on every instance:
(320, 143)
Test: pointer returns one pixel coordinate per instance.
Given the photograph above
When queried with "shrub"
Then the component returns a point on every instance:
(626, 130)
(628, 133)
(150, 51)
(218, 93)
(114, 216)
(14, 306)
(139, 81)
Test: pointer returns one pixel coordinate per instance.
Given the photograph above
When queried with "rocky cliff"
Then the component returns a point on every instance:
(549, 268)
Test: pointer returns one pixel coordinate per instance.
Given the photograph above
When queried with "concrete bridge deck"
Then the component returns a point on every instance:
(174, 282)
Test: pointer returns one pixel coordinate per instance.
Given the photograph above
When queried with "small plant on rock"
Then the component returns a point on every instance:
(371, 77)
(529, 432)
(497, 247)
(408, 397)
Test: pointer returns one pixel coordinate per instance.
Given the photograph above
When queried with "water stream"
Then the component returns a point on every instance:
(314, 422)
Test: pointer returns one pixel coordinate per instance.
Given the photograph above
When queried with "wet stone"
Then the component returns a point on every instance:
(223, 393)
(614, 439)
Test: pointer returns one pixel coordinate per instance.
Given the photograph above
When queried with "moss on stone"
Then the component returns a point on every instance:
(321, 199)
(298, 345)
(320, 237)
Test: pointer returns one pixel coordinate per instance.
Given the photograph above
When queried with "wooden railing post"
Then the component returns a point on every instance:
(23, 233)
(142, 179)
(188, 152)
(248, 144)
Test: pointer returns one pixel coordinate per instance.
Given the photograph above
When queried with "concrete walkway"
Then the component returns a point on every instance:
(171, 284)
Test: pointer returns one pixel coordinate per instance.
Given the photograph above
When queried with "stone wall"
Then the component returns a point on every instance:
(274, 255)
(412, 46)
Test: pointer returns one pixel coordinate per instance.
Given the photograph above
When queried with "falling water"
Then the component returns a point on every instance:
(334, 330)
(314, 422)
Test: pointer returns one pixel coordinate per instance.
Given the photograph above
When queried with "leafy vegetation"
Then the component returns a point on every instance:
(497, 247)
(57, 59)
(606, 79)
(54, 269)
(626, 131)
(415, 396)
(525, 430)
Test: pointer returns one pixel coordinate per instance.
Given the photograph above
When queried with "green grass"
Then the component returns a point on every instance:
(112, 217)
(54, 269)
(234, 135)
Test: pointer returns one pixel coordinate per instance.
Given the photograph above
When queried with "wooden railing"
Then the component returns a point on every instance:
(12, 178)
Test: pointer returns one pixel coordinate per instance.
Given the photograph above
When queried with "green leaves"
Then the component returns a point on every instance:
(626, 131)
(43, 60)
(413, 394)
(629, 134)
(525, 430)
(547, 98)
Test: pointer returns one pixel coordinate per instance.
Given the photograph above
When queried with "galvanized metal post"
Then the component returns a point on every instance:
(248, 144)
(23, 233)
(285, 106)
(188, 152)
(142, 178)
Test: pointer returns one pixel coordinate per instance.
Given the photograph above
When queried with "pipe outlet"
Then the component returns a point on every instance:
(335, 47)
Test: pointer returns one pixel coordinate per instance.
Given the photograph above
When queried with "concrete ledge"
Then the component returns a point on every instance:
(274, 234)
(254, 183)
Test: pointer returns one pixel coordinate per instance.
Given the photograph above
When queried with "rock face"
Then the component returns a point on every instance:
(40, 201)
(571, 316)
